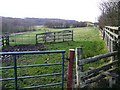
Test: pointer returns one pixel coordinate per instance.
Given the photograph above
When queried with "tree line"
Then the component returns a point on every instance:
(16, 25)
(65, 24)
(110, 13)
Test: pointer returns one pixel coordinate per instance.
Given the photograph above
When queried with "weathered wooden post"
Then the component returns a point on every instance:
(72, 35)
(36, 38)
(112, 48)
(108, 41)
(105, 37)
(54, 36)
(103, 33)
(111, 80)
(8, 42)
(109, 44)
(71, 55)
(63, 35)
(119, 37)
(119, 45)
(3, 41)
(79, 69)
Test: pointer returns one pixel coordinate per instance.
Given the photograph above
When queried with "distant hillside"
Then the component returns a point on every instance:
(13, 25)
(35, 21)
(43, 21)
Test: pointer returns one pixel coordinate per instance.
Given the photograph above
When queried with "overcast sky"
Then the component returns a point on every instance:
(80, 10)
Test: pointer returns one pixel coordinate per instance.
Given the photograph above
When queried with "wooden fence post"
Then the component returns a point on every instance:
(3, 41)
(8, 42)
(106, 41)
(36, 39)
(119, 33)
(72, 35)
(63, 36)
(54, 36)
(105, 37)
(119, 46)
(71, 55)
(109, 45)
(103, 33)
(111, 80)
(79, 69)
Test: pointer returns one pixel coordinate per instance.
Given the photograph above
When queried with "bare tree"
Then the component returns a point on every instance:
(109, 15)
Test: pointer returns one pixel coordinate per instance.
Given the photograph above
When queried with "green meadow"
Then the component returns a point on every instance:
(88, 38)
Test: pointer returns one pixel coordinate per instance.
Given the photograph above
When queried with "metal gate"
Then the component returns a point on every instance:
(15, 67)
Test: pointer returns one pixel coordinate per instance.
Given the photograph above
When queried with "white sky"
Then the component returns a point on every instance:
(80, 10)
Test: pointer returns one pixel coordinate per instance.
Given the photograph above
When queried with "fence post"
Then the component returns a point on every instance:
(54, 36)
(3, 41)
(107, 40)
(8, 40)
(78, 52)
(110, 43)
(36, 39)
(111, 80)
(71, 55)
(72, 35)
(105, 37)
(119, 36)
(119, 33)
(119, 46)
(63, 35)
(103, 33)
(15, 72)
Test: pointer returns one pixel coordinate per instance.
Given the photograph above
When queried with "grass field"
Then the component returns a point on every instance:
(88, 38)
(25, 37)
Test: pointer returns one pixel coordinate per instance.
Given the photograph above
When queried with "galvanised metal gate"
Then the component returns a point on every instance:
(15, 67)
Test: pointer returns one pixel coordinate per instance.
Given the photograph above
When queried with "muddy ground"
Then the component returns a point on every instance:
(26, 47)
